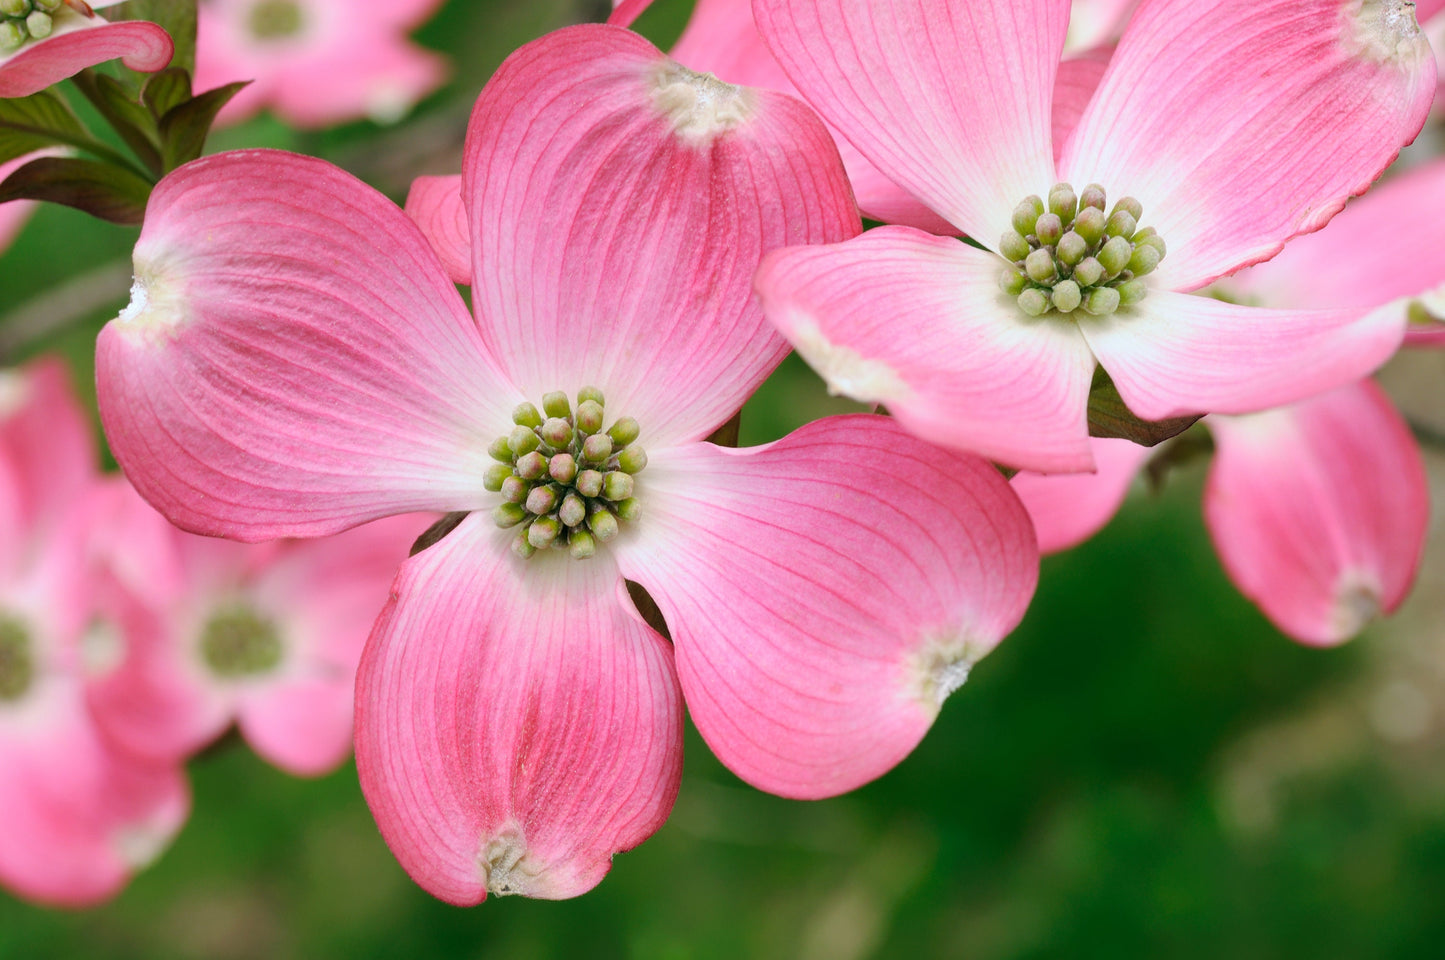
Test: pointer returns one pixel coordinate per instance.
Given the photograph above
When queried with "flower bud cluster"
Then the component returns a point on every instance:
(17, 669)
(238, 642)
(1070, 255)
(565, 482)
(23, 20)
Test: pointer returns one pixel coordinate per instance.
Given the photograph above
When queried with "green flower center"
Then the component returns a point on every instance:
(238, 642)
(17, 668)
(1071, 255)
(275, 19)
(24, 20)
(565, 482)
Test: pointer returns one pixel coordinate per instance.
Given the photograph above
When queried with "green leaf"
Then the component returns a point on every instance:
(127, 117)
(166, 90)
(100, 189)
(43, 120)
(184, 128)
(1109, 417)
(178, 17)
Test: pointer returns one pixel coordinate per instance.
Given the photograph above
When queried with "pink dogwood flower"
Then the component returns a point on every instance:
(317, 62)
(295, 361)
(80, 816)
(13, 214)
(1219, 130)
(59, 38)
(266, 636)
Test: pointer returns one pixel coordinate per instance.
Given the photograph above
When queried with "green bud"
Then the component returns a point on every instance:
(522, 440)
(1115, 256)
(500, 450)
(633, 459)
(543, 531)
(1012, 281)
(592, 394)
(602, 524)
(541, 501)
(1095, 197)
(14, 8)
(589, 416)
(521, 547)
(1063, 202)
(1131, 292)
(1012, 246)
(1040, 266)
(597, 448)
(562, 467)
(617, 485)
(581, 545)
(532, 466)
(573, 510)
(1034, 302)
(1066, 296)
(1131, 206)
(48, 6)
(1102, 301)
(1089, 224)
(556, 405)
(526, 415)
(629, 509)
(1071, 248)
(624, 431)
(495, 475)
(1049, 229)
(1144, 260)
(39, 25)
(1026, 214)
(508, 514)
(1155, 241)
(12, 35)
(515, 490)
(589, 483)
(557, 433)
(1121, 224)
(1089, 271)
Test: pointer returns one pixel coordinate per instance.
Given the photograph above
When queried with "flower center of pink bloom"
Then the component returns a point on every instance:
(17, 669)
(22, 20)
(238, 642)
(1420, 315)
(274, 19)
(564, 481)
(1071, 255)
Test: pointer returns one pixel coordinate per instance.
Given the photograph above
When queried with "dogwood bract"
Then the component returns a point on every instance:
(55, 39)
(295, 361)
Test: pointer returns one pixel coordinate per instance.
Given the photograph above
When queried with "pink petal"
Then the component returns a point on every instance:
(517, 725)
(294, 360)
(1078, 79)
(14, 213)
(1238, 124)
(917, 323)
(951, 100)
(435, 203)
(1175, 354)
(1319, 510)
(827, 592)
(1069, 508)
(1097, 22)
(78, 43)
(619, 206)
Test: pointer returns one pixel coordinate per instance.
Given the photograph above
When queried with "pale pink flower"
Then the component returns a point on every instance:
(1219, 129)
(80, 816)
(13, 214)
(76, 41)
(317, 62)
(296, 361)
(266, 636)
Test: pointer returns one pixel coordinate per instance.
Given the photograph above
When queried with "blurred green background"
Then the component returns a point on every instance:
(1145, 768)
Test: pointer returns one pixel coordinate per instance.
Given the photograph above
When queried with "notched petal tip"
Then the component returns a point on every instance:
(845, 371)
(941, 666)
(699, 105)
(1357, 602)
(149, 313)
(506, 867)
(1385, 30)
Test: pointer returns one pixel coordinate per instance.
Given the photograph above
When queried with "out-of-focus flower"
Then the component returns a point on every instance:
(80, 816)
(267, 636)
(295, 361)
(1194, 131)
(13, 214)
(317, 62)
(44, 41)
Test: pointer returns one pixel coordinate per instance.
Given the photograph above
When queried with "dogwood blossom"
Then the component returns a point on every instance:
(60, 38)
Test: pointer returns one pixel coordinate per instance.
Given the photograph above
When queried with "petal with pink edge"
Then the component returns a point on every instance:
(1175, 354)
(517, 723)
(827, 592)
(1238, 124)
(951, 99)
(1078, 79)
(78, 43)
(294, 360)
(1319, 510)
(1069, 508)
(435, 203)
(918, 323)
(619, 206)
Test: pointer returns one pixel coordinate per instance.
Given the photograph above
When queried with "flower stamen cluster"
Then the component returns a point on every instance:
(565, 482)
(24, 20)
(17, 669)
(1070, 255)
(274, 19)
(238, 642)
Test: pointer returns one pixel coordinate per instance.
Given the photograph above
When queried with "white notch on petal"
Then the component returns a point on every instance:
(138, 301)
(846, 372)
(14, 392)
(138, 846)
(1385, 30)
(1357, 602)
(154, 309)
(940, 667)
(505, 865)
(699, 105)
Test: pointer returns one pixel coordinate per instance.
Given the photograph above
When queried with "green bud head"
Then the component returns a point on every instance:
(589, 483)
(1144, 260)
(12, 35)
(49, 6)
(508, 514)
(1026, 214)
(1131, 292)
(1040, 266)
(1071, 248)
(39, 24)
(573, 510)
(557, 433)
(500, 450)
(1013, 246)
(526, 415)
(1049, 229)
(1089, 271)
(581, 545)
(597, 448)
(1131, 206)
(1102, 301)
(617, 485)
(1063, 202)
(1115, 255)
(521, 547)
(562, 467)
(1089, 224)
(555, 405)
(633, 459)
(1011, 280)
(1155, 241)
(624, 431)
(1095, 197)
(543, 531)
(1034, 302)
(541, 501)
(495, 475)
(589, 416)
(602, 524)
(515, 490)
(532, 466)
(522, 440)
(1121, 224)
(590, 393)
(14, 8)
(629, 509)
(1066, 296)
